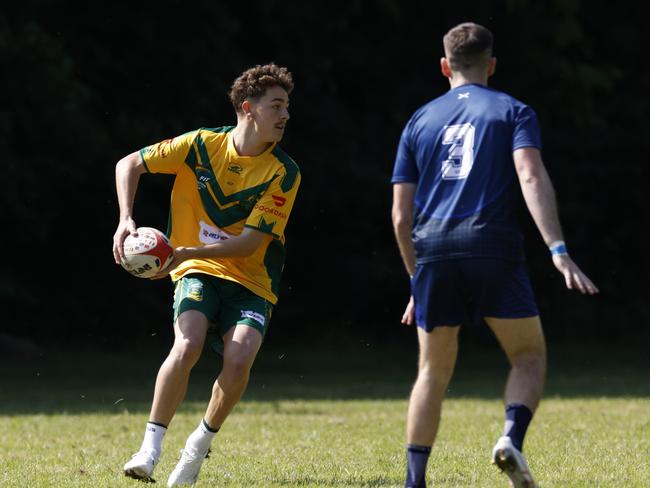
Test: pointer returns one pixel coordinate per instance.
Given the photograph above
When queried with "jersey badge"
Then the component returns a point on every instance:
(235, 168)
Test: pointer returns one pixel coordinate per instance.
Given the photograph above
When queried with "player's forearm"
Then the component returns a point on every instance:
(539, 196)
(403, 228)
(408, 256)
(402, 216)
(241, 246)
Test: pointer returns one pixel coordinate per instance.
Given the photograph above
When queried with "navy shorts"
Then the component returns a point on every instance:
(459, 291)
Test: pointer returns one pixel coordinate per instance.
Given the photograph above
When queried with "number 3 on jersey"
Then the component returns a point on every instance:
(460, 139)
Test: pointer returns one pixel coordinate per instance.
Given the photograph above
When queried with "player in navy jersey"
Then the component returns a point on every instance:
(462, 163)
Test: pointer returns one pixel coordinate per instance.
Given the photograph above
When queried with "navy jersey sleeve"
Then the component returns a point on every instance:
(527, 132)
(405, 169)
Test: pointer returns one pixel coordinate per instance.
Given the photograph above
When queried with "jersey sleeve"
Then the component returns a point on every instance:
(169, 155)
(526, 131)
(271, 212)
(405, 169)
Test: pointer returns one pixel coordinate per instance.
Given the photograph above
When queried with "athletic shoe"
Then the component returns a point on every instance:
(141, 465)
(508, 458)
(187, 470)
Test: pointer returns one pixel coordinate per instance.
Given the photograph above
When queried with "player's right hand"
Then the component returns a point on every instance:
(408, 318)
(180, 254)
(573, 275)
(125, 227)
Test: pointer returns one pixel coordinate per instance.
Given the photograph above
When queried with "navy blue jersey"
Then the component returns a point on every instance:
(458, 149)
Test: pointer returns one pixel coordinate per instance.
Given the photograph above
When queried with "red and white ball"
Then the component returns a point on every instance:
(148, 253)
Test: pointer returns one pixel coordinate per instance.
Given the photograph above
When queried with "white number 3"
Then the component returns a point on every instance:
(460, 138)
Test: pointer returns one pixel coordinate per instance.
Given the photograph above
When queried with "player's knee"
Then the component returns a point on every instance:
(532, 361)
(187, 351)
(237, 365)
(430, 371)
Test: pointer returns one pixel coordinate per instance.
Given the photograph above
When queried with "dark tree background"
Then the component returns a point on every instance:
(85, 84)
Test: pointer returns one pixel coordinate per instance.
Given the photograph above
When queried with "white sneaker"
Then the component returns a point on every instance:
(141, 465)
(508, 458)
(187, 470)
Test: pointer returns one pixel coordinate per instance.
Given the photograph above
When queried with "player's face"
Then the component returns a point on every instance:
(271, 113)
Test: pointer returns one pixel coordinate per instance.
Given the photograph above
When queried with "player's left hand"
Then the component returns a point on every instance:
(573, 275)
(408, 318)
(180, 254)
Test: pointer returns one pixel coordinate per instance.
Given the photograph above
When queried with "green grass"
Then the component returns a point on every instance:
(323, 418)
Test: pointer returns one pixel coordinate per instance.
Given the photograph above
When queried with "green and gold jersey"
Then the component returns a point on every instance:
(217, 193)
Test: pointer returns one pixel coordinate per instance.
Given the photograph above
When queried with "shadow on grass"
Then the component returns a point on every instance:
(103, 382)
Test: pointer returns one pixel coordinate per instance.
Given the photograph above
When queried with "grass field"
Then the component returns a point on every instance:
(324, 418)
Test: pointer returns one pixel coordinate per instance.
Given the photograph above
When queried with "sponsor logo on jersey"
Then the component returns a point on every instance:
(270, 210)
(249, 314)
(209, 234)
(278, 200)
(235, 168)
(165, 147)
(463, 95)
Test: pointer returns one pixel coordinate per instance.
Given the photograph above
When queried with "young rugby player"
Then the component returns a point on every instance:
(455, 178)
(233, 192)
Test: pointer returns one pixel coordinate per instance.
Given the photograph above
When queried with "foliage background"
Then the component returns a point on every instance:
(85, 84)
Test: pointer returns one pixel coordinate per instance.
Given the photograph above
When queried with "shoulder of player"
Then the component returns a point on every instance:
(506, 98)
(204, 134)
(286, 168)
(284, 161)
(213, 133)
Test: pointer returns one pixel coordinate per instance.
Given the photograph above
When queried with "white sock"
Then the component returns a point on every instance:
(201, 438)
(153, 437)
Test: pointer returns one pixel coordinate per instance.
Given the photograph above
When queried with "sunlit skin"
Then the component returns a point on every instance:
(261, 122)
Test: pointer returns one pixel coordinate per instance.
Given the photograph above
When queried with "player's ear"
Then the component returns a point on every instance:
(246, 109)
(444, 67)
(492, 66)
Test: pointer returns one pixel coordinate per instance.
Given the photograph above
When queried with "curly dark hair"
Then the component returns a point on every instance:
(253, 83)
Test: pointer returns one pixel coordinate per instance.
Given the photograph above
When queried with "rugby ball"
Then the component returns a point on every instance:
(148, 253)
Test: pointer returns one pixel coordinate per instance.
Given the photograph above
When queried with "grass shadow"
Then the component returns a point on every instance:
(94, 381)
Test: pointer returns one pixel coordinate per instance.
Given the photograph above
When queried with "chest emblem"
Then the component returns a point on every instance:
(235, 168)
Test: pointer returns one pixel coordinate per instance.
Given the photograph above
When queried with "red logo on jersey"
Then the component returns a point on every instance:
(270, 210)
(165, 147)
(279, 201)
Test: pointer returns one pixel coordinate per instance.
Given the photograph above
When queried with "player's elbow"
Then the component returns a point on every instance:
(130, 163)
(247, 246)
(529, 178)
(247, 251)
(401, 220)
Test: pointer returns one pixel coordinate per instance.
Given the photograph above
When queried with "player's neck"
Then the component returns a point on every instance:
(246, 141)
(460, 80)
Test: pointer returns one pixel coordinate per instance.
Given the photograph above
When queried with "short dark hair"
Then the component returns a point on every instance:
(468, 46)
(253, 83)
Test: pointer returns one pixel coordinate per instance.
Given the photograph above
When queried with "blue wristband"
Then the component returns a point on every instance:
(558, 248)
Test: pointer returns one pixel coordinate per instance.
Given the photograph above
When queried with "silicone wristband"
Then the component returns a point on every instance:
(558, 248)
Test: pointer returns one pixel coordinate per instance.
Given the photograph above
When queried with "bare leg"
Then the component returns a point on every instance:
(523, 343)
(241, 346)
(171, 383)
(438, 351)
